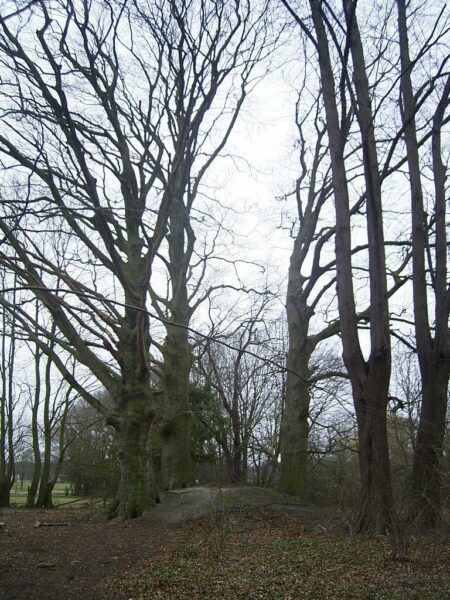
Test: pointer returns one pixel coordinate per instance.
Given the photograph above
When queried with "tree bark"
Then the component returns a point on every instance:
(176, 469)
(369, 380)
(137, 489)
(433, 353)
(294, 423)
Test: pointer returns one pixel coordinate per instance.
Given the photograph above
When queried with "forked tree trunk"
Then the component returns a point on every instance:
(433, 353)
(369, 379)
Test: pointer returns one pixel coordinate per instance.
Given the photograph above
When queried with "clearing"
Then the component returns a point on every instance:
(205, 543)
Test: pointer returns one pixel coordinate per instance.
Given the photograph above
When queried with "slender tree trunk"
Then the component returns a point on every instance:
(433, 354)
(7, 358)
(370, 380)
(237, 469)
(34, 484)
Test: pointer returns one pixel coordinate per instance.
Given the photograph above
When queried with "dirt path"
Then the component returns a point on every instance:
(75, 560)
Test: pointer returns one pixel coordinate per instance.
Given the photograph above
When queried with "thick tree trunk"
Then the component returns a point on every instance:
(427, 466)
(4, 492)
(294, 431)
(294, 426)
(176, 467)
(134, 413)
(137, 489)
(376, 499)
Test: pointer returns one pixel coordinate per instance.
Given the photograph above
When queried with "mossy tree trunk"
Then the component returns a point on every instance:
(137, 489)
(176, 468)
(294, 432)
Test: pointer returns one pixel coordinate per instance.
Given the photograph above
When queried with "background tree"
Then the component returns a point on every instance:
(245, 386)
(91, 462)
(10, 399)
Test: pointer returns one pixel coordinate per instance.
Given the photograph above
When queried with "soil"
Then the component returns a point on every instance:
(72, 553)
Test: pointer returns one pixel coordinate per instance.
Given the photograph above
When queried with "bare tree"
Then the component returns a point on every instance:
(429, 267)
(369, 378)
(10, 411)
(312, 278)
(231, 54)
(101, 153)
(245, 387)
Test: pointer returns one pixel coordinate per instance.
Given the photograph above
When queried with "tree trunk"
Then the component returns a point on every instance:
(294, 431)
(4, 492)
(376, 500)
(33, 487)
(369, 379)
(176, 467)
(236, 466)
(137, 489)
(427, 466)
(433, 354)
(294, 425)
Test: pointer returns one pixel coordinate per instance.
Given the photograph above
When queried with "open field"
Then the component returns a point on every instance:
(241, 543)
(59, 496)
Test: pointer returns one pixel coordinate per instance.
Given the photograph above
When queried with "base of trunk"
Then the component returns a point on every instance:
(137, 489)
(176, 466)
(293, 473)
(4, 496)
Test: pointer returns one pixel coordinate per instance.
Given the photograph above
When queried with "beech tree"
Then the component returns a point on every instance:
(101, 131)
(233, 53)
(349, 86)
(429, 251)
(312, 276)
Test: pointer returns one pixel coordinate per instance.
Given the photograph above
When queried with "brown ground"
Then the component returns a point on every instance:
(240, 543)
(80, 559)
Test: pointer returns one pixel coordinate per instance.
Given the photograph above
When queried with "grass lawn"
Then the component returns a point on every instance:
(59, 496)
